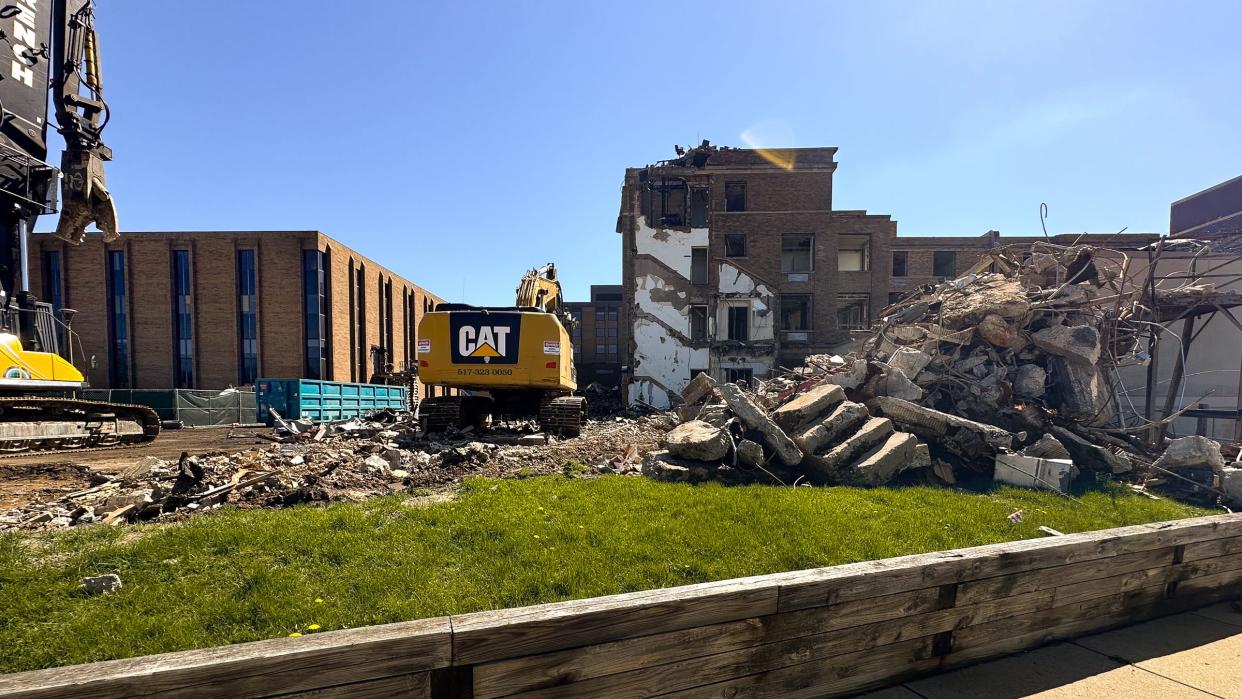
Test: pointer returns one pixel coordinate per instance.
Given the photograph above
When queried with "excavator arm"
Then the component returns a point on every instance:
(540, 289)
(52, 47)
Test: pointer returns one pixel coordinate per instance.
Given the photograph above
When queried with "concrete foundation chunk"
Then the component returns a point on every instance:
(749, 454)
(882, 464)
(910, 361)
(1231, 483)
(1029, 380)
(808, 406)
(896, 384)
(753, 417)
(1048, 447)
(699, 388)
(829, 467)
(998, 332)
(1080, 390)
(933, 424)
(663, 466)
(697, 440)
(1193, 451)
(843, 421)
(1079, 343)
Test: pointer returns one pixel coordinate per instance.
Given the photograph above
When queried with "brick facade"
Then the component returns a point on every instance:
(282, 332)
(597, 336)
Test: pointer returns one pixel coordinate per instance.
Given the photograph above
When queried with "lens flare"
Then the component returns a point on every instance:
(771, 139)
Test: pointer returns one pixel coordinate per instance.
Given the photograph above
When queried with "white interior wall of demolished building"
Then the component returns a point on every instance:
(663, 361)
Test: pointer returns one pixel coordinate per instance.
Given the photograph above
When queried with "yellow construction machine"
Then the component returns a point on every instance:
(509, 362)
(55, 48)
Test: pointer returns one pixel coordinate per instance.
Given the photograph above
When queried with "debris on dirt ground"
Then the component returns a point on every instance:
(101, 584)
(380, 455)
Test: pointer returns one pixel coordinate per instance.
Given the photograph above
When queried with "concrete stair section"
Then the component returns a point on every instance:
(829, 467)
(808, 407)
(844, 420)
(900, 451)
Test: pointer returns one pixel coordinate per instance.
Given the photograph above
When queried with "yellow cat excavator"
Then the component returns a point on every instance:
(54, 48)
(506, 362)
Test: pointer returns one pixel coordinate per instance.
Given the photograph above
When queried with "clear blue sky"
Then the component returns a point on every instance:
(461, 143)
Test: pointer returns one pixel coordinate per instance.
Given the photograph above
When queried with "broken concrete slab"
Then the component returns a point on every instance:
(1029, 380)
(808, 406)
(1080, 390)
(1032, 472)
(698, 440)
(1078, 343)
(101, 584)
(749, 454)
(852, 378)
(699, 388)
(894, 383)
(933, 424)
(1047, 447)
(990, 295)
(909, 360)
(1231, 484)
(828, 467)
(1190, 452)
(1088, 455)
(753, 417)
(843, 421)
(997, 331)
(899, 452)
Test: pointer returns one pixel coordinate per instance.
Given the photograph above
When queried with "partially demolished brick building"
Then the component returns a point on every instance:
(725, 258)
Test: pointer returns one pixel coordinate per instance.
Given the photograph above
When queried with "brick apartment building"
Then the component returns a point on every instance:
(735, 263)
(597, 336)
(209, 310)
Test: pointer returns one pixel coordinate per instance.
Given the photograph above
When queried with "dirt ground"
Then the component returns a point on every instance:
(32, 477)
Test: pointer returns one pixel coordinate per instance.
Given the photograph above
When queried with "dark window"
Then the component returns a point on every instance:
(944, 263)
(698, 266)
(54, 289)
(247, 318)
(360, 323)
(599, 349)
(698, 323)
(668, 202)
(118, 320)
(407, 335)
(735, 245)
(795, 254)
(600, 331)
(700, 201)
(735, 196)
(612, 314)
(315, 322)
(612, 350)
(612, 331)
(853, 312)
(388, 322)
(899, 263)
(795, 312)
(739, 322)
(183, 321)
(739, 375)
(353, 321)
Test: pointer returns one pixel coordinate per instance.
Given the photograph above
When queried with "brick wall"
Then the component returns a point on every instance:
(281, 312)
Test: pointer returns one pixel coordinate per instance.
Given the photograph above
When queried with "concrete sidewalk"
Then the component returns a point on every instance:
(1193, 655)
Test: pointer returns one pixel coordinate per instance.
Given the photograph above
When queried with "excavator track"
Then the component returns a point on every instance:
(563, 416)
(72, 425)
(442, 412)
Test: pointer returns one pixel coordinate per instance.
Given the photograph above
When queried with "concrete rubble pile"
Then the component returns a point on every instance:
(817, 437)
(1001, 375)
(350, 461)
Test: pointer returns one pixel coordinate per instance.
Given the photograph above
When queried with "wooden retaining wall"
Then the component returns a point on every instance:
(809, 633)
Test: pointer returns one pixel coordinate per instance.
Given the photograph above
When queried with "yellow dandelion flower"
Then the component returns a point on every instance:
(318, 600)
(295, 634)
(536, 536)
(313, 627)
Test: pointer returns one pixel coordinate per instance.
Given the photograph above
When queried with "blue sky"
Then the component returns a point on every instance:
(461, 143)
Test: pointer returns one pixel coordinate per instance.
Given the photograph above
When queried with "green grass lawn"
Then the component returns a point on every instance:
(235, 576)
